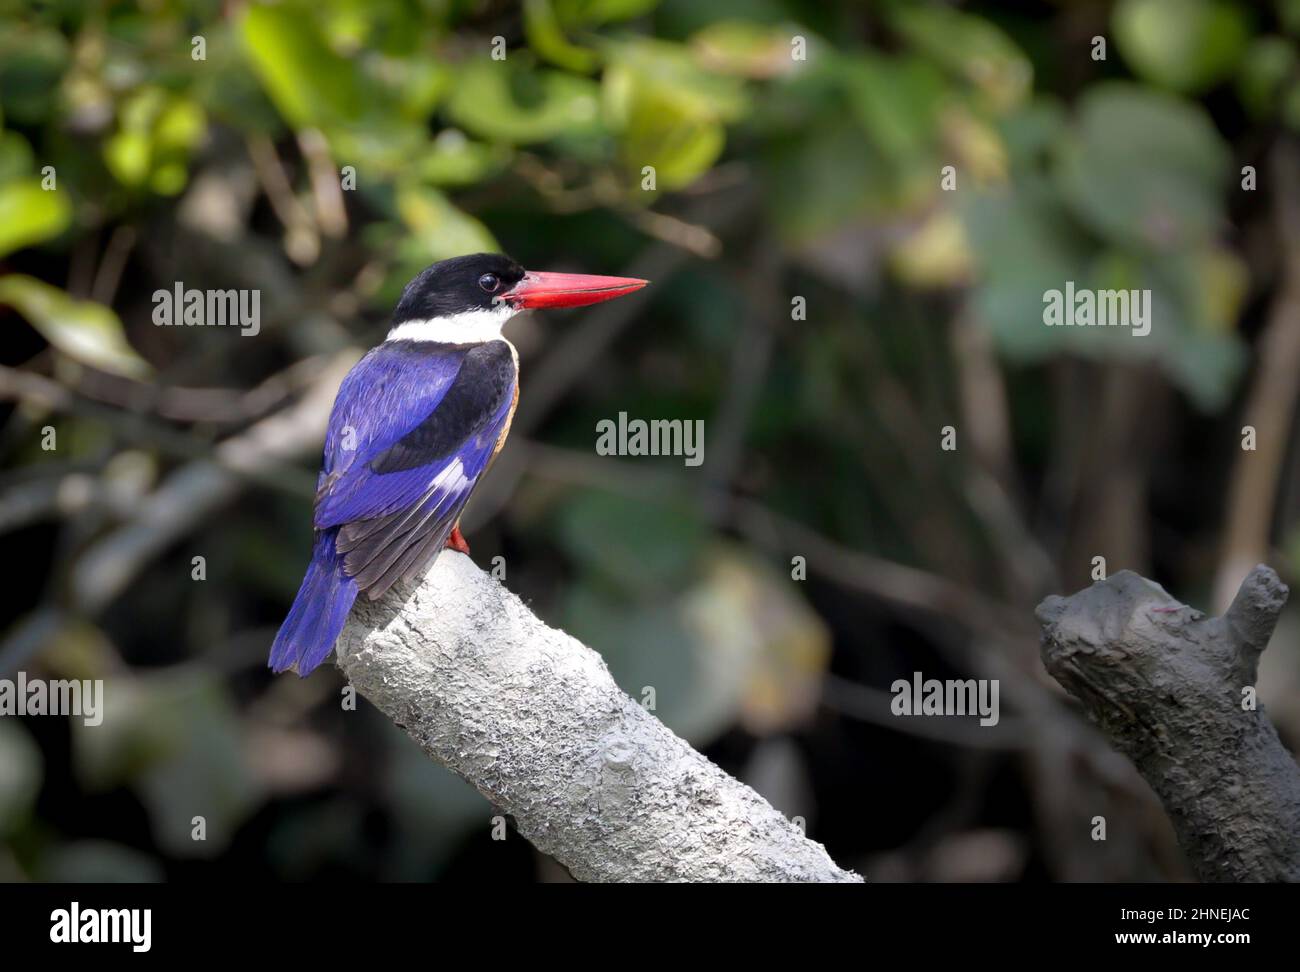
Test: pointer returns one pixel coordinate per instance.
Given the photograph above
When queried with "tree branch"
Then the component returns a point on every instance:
(1165, 684)
(196, 489)
(531, 718)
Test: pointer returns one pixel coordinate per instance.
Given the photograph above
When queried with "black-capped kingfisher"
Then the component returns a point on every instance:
(414, 427)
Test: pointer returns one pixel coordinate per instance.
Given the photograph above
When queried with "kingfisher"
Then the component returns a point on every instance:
(415, 425)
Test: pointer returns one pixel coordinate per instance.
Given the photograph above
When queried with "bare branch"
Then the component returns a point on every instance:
(1174, 691)
(532, 718)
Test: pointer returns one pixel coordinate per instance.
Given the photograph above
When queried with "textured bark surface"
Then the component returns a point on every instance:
(532, 718)
(1165, 684)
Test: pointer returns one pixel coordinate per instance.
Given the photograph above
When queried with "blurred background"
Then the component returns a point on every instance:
(323, 152)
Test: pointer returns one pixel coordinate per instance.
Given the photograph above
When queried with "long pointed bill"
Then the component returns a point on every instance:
(539, 289)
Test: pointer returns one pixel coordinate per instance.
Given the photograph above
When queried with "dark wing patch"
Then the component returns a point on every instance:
(393, 388)
(449, 449)
(485, 380)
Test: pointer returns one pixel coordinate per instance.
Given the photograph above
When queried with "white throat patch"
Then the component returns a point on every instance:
(469, 327)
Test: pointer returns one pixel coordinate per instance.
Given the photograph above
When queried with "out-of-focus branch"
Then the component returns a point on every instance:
(900, 584)
(327, 192)
(604, 189)
(532, 719)
(194, 491)
(991, 483)
(208, 405)
(301, 235)
(1269, 410)
(109, 274)
(41, 392)
(1172, 690)
(750, 361)
(876, 576)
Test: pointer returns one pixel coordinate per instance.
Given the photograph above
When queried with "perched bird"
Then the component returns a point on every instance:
(414, 427)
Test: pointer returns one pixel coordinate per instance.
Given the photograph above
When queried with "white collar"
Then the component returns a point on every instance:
(468, 327)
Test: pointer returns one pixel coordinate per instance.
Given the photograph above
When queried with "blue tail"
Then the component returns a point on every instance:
(318, 612)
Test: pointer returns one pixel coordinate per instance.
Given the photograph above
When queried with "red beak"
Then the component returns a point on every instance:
(539, 289)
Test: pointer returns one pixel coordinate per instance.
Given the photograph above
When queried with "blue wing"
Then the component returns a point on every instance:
(413, 428)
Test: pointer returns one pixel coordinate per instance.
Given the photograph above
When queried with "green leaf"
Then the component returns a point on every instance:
(753, 626)
(1196, 343)
(420, 85)
(1026, 245)
(381, 149)
(1185, 45)
(81, 329)
(670, 114)
(745, 49)
(662, 133)
(897, 101)
(546, 37)
(180, 126)
(971, 47)
(1030, 132)
(496, 100)
(32, 62)
(127, 156)
(644, 64)
(1144, 169)
(309, 83)
(1267, 66)
(16, 157)
(590, 13)
(829, 176)
(438, 229)
(157, 133)
(735, 642)
(454, 160)
(30, 214)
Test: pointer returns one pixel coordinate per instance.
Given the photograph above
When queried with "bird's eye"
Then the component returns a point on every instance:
(489, 282)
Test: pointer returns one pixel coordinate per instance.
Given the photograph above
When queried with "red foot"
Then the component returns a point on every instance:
(457, 541)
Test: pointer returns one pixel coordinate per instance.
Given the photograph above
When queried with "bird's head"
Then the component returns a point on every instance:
(468, 298)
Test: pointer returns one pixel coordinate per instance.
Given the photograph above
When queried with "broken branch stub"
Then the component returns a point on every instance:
(1174, 690)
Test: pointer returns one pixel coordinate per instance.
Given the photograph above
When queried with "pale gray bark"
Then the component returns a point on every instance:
(531, 717)
(1165, 684)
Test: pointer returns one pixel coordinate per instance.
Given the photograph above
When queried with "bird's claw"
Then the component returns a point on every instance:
(457, 541)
